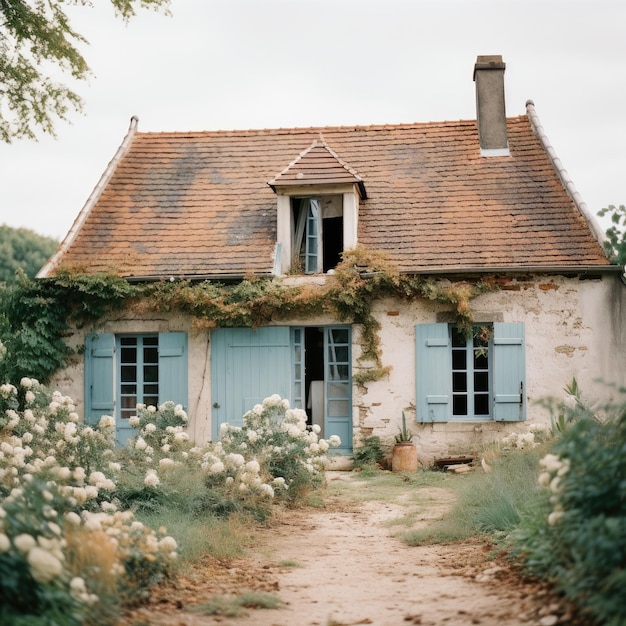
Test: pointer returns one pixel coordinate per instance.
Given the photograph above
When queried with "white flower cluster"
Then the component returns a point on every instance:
(519, 441)
(554, 468)
(43, 554)
(54, 467)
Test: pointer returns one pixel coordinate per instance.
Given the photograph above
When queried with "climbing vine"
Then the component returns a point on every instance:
(36, 316)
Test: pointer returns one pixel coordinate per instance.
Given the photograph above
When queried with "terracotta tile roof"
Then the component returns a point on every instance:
(199, 204)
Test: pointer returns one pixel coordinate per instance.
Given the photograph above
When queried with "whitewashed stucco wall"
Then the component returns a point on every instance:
(573, 328)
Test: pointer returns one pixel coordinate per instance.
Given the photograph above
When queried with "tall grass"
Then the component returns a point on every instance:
(222, 538)
(488, 503)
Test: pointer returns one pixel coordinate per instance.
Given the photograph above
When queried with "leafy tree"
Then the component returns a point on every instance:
(615, 247)
(36, 35)
(23, 249)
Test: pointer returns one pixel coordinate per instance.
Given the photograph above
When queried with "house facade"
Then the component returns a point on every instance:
(451, 204)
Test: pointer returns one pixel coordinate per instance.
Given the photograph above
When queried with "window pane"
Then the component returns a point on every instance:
(340, 335)
(128, 373)
(459, 405)
(129, 402)
(128, 355)
(481, 404)
(481, 381)
(151, 400)
(340, 372)
(481, 361)
(338, 390)
(459, 381)
(150, 355)
(338, 408)
(151, 373)
(129, 389)
(151, 390)
(459, 360)
(458, 339)
(338, 354)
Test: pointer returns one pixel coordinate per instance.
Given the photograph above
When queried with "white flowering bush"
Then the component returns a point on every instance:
(57, 477)
(577, 536)
(71, 548)
(290, 457)
(273, 455)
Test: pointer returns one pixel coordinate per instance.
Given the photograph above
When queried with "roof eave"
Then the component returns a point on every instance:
(521, 269)
(196, 277)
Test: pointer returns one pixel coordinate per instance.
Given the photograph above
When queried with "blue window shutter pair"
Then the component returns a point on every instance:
(433, 372)
(100, 389)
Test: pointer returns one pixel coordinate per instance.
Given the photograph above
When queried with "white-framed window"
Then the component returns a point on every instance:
(471, 372)
(473, 378)
(317, 234)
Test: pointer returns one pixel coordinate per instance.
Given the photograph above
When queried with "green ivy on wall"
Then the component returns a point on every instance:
(37, 316)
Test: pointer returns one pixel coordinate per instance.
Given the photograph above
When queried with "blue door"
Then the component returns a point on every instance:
(311, 369)
(247, 366)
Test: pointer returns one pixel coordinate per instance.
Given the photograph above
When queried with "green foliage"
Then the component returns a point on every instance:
(35, 36)
(369, 453)
(576, 535)
(35, 318)
(615, 247)
(573, 408)
(405, 434)
(23, 249)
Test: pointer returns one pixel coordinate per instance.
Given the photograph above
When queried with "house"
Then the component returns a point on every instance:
(448, 202)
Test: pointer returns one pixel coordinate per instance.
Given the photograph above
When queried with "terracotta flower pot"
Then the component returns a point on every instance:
(404, 457)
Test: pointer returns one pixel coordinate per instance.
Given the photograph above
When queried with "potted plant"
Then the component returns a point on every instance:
(404, 453)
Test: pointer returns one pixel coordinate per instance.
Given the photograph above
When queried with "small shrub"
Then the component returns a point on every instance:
(576, 537)
(370, 453)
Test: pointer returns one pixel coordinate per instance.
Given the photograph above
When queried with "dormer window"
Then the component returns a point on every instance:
(317, 211)
(317, 238)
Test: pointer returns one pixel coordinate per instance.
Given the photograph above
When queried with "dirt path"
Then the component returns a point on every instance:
(342, 566)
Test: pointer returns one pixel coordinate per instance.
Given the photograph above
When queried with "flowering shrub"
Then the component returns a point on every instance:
(289, 457)
(272, 455)
(57, 476)
(69, 553)
(577, 537)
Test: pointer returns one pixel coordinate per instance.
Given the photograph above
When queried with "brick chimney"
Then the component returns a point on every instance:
(490, 109)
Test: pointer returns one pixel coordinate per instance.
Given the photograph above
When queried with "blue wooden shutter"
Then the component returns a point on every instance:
(99, 369)
(509, 372)
(433, 372)
(173, 368)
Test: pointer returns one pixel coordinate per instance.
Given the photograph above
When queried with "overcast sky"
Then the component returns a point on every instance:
(239, 64)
